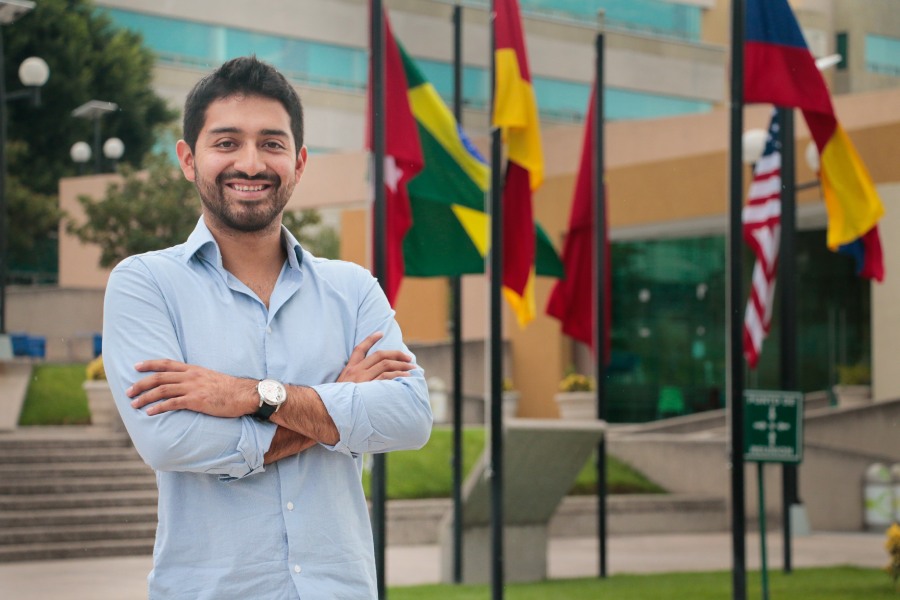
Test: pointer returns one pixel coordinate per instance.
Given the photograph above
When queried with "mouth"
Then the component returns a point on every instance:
(241, 187)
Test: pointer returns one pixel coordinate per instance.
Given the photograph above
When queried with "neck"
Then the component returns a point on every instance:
(256, 258)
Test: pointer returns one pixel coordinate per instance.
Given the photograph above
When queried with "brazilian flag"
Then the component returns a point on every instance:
(450, 231)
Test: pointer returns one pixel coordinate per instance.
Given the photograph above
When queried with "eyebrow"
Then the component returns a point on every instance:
(272, 132)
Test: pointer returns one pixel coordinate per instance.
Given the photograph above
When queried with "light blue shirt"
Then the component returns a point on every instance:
(230, 528)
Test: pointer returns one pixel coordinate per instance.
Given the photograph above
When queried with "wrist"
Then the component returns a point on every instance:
(250, 396)
(272, 394)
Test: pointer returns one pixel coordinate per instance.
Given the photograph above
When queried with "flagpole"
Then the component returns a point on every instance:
(496, 337)
(735, 301)
(600, 332)
(456, 317)
(788, 293)
(379, 467)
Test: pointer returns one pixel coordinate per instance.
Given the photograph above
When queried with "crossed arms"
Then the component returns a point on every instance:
(302, 420)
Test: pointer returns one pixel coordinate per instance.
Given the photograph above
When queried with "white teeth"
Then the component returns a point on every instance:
(249, 188)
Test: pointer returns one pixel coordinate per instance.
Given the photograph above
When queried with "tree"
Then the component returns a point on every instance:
(89, 59)
(157, 208)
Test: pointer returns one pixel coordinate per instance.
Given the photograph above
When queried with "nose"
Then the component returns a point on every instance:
(249, 160)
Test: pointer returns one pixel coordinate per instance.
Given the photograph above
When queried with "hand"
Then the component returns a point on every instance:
(287, 443)
(179, 386)
(383, 364)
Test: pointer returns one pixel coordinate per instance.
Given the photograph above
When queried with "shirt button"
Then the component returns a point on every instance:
(290, 506)
(297, 569)
(268, 330)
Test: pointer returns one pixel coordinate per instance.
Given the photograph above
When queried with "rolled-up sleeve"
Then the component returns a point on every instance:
(137, 326)
(379, 416)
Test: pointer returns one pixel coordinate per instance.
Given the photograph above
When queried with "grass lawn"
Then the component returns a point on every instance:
(839, 583)
(55, 396)
(426, 473)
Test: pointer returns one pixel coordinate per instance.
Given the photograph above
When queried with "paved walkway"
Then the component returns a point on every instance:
(125, 578)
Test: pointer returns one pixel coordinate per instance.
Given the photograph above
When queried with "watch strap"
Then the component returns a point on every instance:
(265, 411)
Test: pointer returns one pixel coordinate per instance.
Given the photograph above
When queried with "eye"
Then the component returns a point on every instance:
(225, 144)
(274, 145)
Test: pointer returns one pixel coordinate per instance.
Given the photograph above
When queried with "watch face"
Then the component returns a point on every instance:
(272, 392)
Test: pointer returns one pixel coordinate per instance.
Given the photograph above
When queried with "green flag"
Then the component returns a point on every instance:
(450, 231)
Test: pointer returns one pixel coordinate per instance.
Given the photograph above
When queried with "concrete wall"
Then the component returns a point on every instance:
(67, 317)
(839, 445)
(885, 304)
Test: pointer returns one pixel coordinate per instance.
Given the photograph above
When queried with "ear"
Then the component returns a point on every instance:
(301, 163)
(185, 159)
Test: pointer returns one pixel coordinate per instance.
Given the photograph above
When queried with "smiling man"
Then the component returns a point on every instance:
(253, 376)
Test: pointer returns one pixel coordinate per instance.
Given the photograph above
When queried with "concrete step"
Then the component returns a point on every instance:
(52, 551)
(72, 436)
(89, 515)
(40, 502)
(71, 485)
(76, 533)
(25, 456)
(23, 472)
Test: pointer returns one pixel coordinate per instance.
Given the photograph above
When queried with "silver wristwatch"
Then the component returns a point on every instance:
(271, 396)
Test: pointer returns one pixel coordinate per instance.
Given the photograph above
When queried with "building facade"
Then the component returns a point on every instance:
(667, 78)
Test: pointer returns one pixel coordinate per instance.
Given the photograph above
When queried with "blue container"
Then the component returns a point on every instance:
(19, 344)
(98, 344)
(37, 346)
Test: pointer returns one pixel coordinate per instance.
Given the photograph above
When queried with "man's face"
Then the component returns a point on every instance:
(245, 165)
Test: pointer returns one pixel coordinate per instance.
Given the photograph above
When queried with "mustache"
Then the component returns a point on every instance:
(272, 178)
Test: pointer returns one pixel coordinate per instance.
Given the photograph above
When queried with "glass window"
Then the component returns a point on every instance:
(669, 331)
(197, 44)
(342, 67)
(883, 55)
(561, 100)
(841, 47)
(654, 17)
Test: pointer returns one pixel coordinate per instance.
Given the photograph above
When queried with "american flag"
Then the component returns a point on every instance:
(762, 232)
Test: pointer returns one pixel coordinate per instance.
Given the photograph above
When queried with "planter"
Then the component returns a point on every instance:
(576, 405)
(102, 405)
(852, 395)
(510, 404)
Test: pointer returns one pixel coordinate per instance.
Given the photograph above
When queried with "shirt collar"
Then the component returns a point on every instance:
(201, 242)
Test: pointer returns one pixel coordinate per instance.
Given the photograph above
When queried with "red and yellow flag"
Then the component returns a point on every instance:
(779, 68)
(516, 114)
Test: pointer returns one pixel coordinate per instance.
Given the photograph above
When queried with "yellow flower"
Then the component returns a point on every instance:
(94, 370)
(892, 545)
(576, 382)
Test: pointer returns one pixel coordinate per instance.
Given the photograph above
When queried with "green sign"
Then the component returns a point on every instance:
(773, 426)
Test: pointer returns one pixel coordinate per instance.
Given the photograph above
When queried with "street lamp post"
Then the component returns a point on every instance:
(94, 110)
(33, 74)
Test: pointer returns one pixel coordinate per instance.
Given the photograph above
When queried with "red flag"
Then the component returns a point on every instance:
(515, 112)
(402, 161)
(572, 298)
(762, 232)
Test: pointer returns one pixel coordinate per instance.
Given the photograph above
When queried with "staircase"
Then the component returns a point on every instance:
(74, 492)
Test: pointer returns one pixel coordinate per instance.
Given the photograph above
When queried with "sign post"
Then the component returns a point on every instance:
(773, 432)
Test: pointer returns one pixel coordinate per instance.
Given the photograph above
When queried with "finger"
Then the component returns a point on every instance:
(163, 392)
(165, 406)
(394, 365)
(160, 364)
(393, 375)
(363, 347)
(385, 355)
(153, 381)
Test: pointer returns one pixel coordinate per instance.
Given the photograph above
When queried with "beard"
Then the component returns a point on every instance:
(246, 217)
